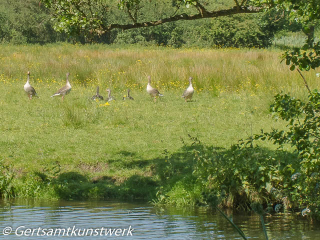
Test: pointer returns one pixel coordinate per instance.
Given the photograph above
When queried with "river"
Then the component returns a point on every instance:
(30, 219)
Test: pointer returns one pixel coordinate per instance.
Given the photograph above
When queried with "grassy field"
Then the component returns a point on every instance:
(123, 145)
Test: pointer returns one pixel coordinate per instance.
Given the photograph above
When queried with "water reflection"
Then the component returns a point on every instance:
(147, 221)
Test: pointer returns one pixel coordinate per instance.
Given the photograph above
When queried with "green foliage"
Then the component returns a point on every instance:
(247, 176)
(96, 19)
(233, 31)
(6, 181)
(224, 32)
(131, 37)
(25, 22)
(72, 186)
(235, 177)
(304, 11)
(303, 133)
(303, 58)
(242, 175)
(85, 22)
(34, 185)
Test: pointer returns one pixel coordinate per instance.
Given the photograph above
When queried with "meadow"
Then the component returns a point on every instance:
(79, 148)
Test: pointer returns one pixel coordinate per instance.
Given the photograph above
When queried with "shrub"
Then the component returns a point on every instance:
(303, 133)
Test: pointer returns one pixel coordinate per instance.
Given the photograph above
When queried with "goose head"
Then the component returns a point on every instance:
(109, 92)
(68, 83)
(28, 77)
(68, 74)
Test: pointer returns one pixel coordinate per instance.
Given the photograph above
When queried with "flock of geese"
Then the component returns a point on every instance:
(154, 93)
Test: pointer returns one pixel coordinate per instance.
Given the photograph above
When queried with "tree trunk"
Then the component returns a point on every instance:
(309, 31)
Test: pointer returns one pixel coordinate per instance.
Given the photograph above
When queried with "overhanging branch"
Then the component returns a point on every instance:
(184, 16)
(202, 10)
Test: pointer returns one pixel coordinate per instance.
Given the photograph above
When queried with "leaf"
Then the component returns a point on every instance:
(288, 61)
(292, 67)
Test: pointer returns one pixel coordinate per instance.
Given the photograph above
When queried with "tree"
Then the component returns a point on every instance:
(24, 21)
(93, 18)
(307, 12)
(101, 16)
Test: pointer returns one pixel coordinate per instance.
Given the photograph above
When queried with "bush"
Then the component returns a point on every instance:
(6, 179)
(25, 22)
(303, 133)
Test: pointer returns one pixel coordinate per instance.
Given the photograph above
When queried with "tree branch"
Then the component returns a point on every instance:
(237, 4)
(305, 82)
(178, 7)
(243, 2)
(131, 17)
(183, 16)
(202, 10)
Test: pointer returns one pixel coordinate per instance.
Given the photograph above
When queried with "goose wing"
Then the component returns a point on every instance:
(63, 91)
(30, 90)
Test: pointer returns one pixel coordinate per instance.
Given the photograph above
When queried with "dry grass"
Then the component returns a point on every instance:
(213, 70)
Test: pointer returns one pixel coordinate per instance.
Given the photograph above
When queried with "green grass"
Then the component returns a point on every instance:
(120, 145)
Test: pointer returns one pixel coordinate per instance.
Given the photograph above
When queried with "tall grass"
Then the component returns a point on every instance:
(292, 39)
(215, 71)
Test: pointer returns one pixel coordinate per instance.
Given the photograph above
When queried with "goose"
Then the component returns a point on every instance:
(128, 96)
(188, 93)
(64, 90)
(97, 96)
(152, 91)
(29, 89)
(110, 98)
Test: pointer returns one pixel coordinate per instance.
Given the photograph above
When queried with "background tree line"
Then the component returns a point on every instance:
(29, 21)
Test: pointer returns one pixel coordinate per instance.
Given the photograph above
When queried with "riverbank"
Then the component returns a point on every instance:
(141, 149)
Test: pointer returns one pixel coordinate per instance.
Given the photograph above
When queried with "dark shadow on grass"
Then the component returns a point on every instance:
(193, 164)
(128, 160)
(76, 186)
(127, 153)
(129, 163)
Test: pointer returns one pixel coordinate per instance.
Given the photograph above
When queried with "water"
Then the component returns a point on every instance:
(39, 220)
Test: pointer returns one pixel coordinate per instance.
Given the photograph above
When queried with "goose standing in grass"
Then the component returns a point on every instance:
(152, 91)
(97, 95)
(128, 96)
(64, 90)
(110, 98)
(29, 89)
(188, 93)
